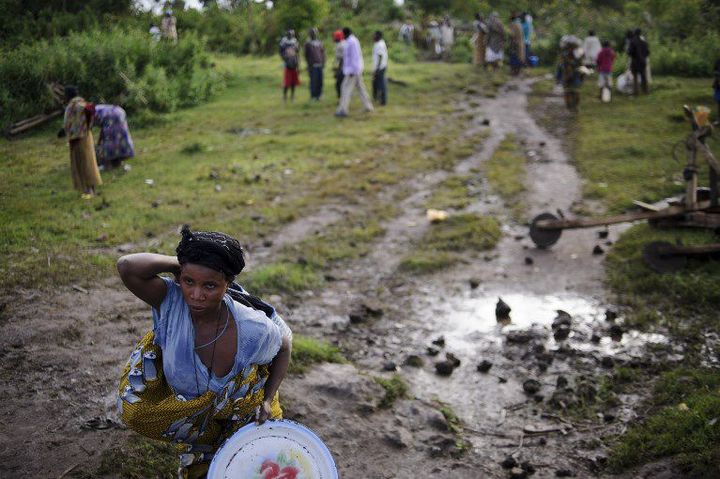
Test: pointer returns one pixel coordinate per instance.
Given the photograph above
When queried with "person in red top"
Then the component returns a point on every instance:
(604, 62)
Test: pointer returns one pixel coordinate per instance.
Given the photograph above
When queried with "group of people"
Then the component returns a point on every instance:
(114, 143)
(348, 67)
(578, 59)
(490, 39)
(440, 37)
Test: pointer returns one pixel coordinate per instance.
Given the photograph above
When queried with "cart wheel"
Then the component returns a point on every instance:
(658, 256)
(544, 237)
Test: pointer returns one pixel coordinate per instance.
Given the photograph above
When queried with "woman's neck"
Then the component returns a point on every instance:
(209, 317)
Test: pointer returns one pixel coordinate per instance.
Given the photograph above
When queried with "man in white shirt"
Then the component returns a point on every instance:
(380, 61)
(352, 69)
(591, 46)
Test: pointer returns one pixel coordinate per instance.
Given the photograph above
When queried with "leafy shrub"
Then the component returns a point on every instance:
(122, 67)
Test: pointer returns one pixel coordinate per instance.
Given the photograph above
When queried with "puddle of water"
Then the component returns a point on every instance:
(469, 321)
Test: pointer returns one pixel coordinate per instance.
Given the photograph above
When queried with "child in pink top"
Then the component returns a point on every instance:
(604, 62)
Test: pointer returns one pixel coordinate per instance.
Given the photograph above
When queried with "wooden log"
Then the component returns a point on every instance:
(32, 122)
(623, 218)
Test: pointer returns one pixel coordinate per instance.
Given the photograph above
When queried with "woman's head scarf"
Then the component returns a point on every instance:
(212, 249)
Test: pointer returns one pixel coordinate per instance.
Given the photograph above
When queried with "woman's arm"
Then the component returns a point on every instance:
(139, 272)
(278, 370)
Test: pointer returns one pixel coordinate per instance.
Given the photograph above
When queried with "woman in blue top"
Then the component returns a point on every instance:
(216, 356)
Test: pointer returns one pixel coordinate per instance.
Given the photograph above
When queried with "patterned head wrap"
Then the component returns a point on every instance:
(215, 250)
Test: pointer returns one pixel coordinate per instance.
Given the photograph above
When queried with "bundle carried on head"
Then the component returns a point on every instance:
(213, 249)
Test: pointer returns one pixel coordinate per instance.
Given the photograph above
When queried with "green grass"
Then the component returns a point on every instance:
(687, 296)
(51, 237)
(624, 149)
(506, 174)
(442, 244)
(395, 388)
(281, 278)
(685, 425)
(138, 458)
(308, 351)
(453, 193)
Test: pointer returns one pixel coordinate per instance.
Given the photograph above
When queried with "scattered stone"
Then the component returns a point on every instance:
(531, 386)
(561, 382)
(440, 341)
(364, 311)
(517, 473)
(607, 362)
(563, 318)
(610, 315)
(437, 420)
(390, 366)
(218, 188)
(502, 310)
(302, 261)
(267, 243)
(486, 122)
(258, 218)
(414, 361)
(595, 338)
(155, 204)
(529, 260)
(561, 333)
(603, 234)
(615, 332)
(564, 473)
(501, 380)
(542, 441)
(608, 417)
(597, 250)
(519, 237)
(432, 351)
(484, 366)
(509, 462)
(474, 283)
(454, 360)
(542, 143)
(527, 467)
(587, 391)
(543, 366)
(519, 337)
(538, 398)
(399, 439)
(444, 368)
(102, 238)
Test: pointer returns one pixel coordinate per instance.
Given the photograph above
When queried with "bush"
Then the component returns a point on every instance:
(121, 67)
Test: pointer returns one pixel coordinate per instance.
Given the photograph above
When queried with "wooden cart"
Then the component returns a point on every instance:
(698, 207)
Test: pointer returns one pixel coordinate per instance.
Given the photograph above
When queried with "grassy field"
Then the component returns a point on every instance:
(245, 163)
(624, 152)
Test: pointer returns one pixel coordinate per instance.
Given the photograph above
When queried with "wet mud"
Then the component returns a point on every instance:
(502, 375)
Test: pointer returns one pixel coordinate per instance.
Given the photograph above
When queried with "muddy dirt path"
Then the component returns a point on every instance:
(54, 344)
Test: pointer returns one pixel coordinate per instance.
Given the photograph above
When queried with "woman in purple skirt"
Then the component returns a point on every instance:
(114, 143)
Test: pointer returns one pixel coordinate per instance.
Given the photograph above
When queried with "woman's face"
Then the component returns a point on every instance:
(203, 288)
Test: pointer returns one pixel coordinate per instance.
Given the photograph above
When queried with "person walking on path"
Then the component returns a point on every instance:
(716, 87)
(495, 41)
(568, 74)
(380, 61)
(639, 51)
(168, 27)
(339, 40)
(447, 36)
(290, 55)
(591, 47)
(115, 143)
(480, 29)
(516, 47)
(352, 69)
(604, 61)
(76, 127)
(315, 58)
(528, 32)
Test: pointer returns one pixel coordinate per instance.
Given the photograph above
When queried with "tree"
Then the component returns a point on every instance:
(300, 14)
